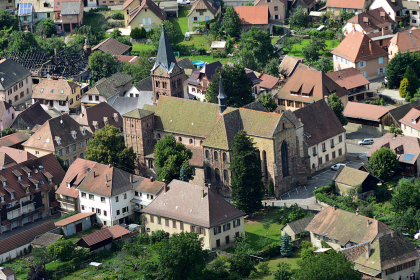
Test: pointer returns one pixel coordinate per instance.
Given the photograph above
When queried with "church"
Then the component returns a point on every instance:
(208, 130)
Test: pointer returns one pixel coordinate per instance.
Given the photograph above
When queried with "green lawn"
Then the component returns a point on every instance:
(141, 47)
(274, 39)
(272, 264)
(181, 22)
(297, 49)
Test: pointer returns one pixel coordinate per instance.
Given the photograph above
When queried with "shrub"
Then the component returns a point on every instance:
(201, 51)
(271, 250)
(158, 236)
(138, 33)
(324, 244)
(118, 16)
(263, 267)
(305, 244)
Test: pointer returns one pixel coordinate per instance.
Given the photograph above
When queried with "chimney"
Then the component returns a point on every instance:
(151, 179)
(106, 178)
(202, 193)
(383, 31)
(370, 46)
(374, 217)
(165, 186)
(367, 251)
(131, 178)
(94, 174)
(357, 212)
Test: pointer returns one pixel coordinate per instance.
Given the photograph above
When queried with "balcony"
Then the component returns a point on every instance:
(71, 200)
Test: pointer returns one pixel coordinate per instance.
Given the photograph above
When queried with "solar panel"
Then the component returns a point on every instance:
(408, 157)
(25, 9)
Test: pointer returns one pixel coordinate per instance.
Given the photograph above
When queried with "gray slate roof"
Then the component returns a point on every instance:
(127, 104)
(165, 55)
(120, 79)
(145, 84)
(256, 106)
(46, 239)
(32, 116)
(70, 8)
(399, 112)
(300, 225)
(11, 73)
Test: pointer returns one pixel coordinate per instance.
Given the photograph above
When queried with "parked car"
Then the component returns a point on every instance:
(183, 2)
(367, 141)
(336, 166)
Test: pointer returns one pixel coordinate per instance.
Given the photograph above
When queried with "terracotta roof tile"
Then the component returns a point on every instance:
(72, 219)
(113, 46)
(118, 231)
(25, 237)
(359, 47)
(13, 139)
(348, 78)
(268, 81)
(149, 186)
(7, 271)
(101, 113)
(17, 155)
(96, 237)
(202, 5)
(53, 90)
(74, 175)
(365, 111)
(253, 14)
(349, 4)
(407, 40)
(376, 19)
(412, 118)
(183, 202)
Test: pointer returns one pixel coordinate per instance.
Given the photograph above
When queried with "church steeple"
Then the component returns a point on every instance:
(165, 54)
(222, 97)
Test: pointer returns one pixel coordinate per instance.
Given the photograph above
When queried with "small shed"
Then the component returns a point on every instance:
(119, 233)
(45, 239)
(97, 241)
(218, 45)
(347, 178)
(76, 223)
(293, 229)
(7, 273)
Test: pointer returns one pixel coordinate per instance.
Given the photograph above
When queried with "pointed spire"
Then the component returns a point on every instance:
(222, 97)
(165, 54)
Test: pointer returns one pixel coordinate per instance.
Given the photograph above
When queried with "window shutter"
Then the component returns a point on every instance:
(379, 71)
(204, 231)
(191, 229)
(220, 229)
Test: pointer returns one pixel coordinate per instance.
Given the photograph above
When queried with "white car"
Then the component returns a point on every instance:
(336, 166)
(183, 2)
(367, 141)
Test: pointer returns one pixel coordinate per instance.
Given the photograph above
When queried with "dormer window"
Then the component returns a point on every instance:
(1, 199)
(96, 126)
(27, 190)
(116, 117)
(4, 183)
(12, 195)
(68, 185)
(73, 134)
(36, 186)
(58, 140)
(17, 174)
(83, 131)
(106, 122)
(413, 121)
(49, 180)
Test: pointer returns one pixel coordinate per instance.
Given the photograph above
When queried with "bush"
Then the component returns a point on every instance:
(324, 244)
(263, 267)
(271, 250)
(158, 236)
(138, 33)
(118, 16)
(201, 51)
(142, 239)
(305, 244)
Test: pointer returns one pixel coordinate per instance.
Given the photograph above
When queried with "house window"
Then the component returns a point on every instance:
(83, 207)
(181, 225)
(103, 199)
(83, 194)
(116, 199)
(217, 230)
(159, 220)
(98, 211)
(340, 138)
(150, 163)
(216, 156)
(237, 223)
(174, 224)
(333, 155)
(413, 21)
(226, 227)
(276, 8)
(323, 147)
(125, 196)
(327, 158)
(118, 212)
(320, 160)
(362, 64)
(91, 197)
(340, 152)
(226, 176)
(380, 60)
(104, 213)
(207, 155)
(167, 222)
(152, 219)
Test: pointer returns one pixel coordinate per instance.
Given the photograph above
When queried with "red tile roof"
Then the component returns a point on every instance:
(268, 81)
(372, 20)
(412, 118)
(113, 46)
(72, 219)
(348, 78)
(365, 111)
(74, 175)
(24, 238)
(253, 14)
(14, 139)
(359, 47)
(407, 40)
(349, 4)
(149, 186)
(97, 237)
(118, 231)
(404, 144)
(17, 155)
(127, 58)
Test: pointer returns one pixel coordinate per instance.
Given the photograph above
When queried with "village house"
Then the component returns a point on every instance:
(186, 207)
(62, 95)
(62, 136)
(289, 65)
(372, 21)
(390, 256)
(278, 8)
(325, 135)
(11, 156)
(115, 195)
(342, 229)
(76, 223)
(347, 179)
(359, 51)
(410, 123)
(307, 86)
(255, 16)
(351, 80)
(407, 149)
(392, 7)
(404, 41)
(69, 17)
(15, 82)
(99, 116)
(367, 115)
(267, 83)
(143, 88)
(113, 46)
(7, 115)
(33, 11)
(295, 228)
(201, 11)
(27, 191)
(399, 112)
(14, 140)
(32, 116)
(7, 273)
(411, 9)
(200, 79)
(348, 6)
(146, 14)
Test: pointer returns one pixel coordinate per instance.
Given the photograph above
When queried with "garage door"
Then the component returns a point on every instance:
(79, 227)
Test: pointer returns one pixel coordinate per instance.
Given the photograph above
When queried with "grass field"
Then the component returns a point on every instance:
(141, 47)
(297, 49)
(181, 23)
(272, 264)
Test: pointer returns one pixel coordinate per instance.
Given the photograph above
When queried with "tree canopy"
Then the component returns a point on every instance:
(20, 41)
(103, 65)
(247, 186)
(45, 28)
(170, 157)
(231, 22)
(62, 249)
(6, 20)
(139, 70)
(337, 106)
(237, 85)
(267, 101)
(259, 42)
(397, 67)
(50, 45)
(383, 163)
(107, 147)
(297, 18)
(171, 31)
(272, 67)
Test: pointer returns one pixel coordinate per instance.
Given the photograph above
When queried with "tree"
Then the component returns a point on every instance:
(45, 28)
(289, 42)
(183, 176)
(170, 156)
(241, 264)
(329, 266)
(284, 271)
(395, 130)
(138, 33)
(259, 42)
(133, 255)
(298, 17)
(413, 81)
(310, 53)
(267, 101)
(103, 65)
(247, 59)
(397, 67)
(174, 34)
(270, 187)
(51, 45)
(406, 195)
(116, 33)
(247, 187)
(325, 64)
(337, 106)
(407, 221)
(404, 86)
(20, 41)
(62, 249)
(383, 163)
(215, 30)
(231, 22)
(181, 257)
(6, 20)
(139, 70)
(272, 67)
(41, 256)
(286, 248)
(237, 85)
(107, 147)
(36, 272)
